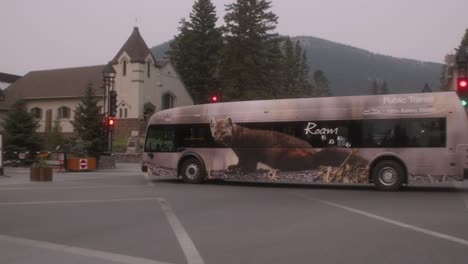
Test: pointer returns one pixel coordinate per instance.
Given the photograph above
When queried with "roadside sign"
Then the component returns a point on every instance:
(83, 164)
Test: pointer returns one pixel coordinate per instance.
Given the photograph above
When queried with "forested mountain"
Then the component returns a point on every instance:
(352, 71)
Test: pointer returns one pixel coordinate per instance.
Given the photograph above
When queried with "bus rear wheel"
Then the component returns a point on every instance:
(192, 171)
(388, 175)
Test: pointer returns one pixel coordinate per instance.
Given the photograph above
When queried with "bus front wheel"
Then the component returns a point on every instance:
(388, 175)
(192, 171)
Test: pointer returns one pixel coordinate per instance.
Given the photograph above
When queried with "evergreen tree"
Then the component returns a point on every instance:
(322, 83)
(272, 70)
(443, 78)
(384, 89)
(250, 67)
(464, 41)
(295, 71)
(307, 88)
(427, 88)
(20, 131)
(196, 49)
(55, 137)
(374, 89)
(88, 122)
(289, 70)
(446, 69)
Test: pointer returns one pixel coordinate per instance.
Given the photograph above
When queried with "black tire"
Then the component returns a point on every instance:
(192, 171)
(388, 175)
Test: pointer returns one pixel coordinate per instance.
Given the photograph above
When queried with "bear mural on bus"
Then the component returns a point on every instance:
(289, 158)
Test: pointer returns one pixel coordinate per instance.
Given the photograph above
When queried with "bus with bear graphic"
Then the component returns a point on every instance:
(388, 140)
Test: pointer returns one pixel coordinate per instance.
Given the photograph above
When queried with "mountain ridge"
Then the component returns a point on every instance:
(352, 70)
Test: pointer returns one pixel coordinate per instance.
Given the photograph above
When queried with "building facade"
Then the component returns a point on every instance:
(143, 84)
(6, 80)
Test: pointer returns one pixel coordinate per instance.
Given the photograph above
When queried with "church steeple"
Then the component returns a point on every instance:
(136, 48)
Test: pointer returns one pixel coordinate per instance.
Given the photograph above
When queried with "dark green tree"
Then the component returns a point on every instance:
(322, 83)
(88, 122)
(306, 87)
(464, 41)
(384, 89)
(250, 66)
(295, 70)
(195, 51)
(374, 88)
(446, 70)
(20, 131)
(426, 89)
(443, 78)
(289, 70)
(55, 136)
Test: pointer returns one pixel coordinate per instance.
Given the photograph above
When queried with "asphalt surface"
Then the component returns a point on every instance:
(121, 216)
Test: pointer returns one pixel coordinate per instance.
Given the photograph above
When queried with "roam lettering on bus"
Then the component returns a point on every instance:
(311, 129)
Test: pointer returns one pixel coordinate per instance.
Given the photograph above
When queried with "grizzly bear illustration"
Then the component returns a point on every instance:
(277, 150)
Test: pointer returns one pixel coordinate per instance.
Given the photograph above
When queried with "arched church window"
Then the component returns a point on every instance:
(63, 112)
(148, 69)
(36, 112)
(168, 100)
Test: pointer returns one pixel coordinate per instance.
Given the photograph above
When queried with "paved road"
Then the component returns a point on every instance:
(119, 216)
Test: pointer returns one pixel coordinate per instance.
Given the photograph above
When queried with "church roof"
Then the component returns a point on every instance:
(162, 62)
(59, 83)
(135, 47)
(8, 78)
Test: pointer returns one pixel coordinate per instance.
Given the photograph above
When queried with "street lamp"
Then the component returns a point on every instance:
(109, 76)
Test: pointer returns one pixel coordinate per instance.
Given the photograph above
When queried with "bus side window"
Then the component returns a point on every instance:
(160, 139)
(196, 136)
(425, 133)
(151, 139)
(379, 133)
(404, 133)
(168, 140)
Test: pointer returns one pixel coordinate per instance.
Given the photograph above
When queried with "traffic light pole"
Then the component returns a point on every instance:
(109, 141)
(109, 76)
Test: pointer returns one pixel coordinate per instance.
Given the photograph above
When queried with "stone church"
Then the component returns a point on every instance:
(143, 84)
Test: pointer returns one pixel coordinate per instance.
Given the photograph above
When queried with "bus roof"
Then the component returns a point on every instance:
(317, 108)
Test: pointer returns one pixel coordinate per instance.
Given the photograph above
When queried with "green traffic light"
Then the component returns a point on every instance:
(464, 103)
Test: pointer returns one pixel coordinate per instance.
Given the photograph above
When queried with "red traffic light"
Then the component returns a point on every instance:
(215, 96)
(462, 90)
(462, 84)
(110, 122)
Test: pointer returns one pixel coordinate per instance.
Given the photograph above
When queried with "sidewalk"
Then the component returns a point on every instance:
(20, 175)
(14, 175)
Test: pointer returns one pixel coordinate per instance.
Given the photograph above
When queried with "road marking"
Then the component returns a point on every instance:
(390, 221)
(69, 188)
(188, 247)
(118, 258)
(80, 201)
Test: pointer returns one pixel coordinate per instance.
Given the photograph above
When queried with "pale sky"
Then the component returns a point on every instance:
(50, 34)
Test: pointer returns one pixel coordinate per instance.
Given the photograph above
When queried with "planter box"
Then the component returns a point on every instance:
(40, 174)
(81, 164)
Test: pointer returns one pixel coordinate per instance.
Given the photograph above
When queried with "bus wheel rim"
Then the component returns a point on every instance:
(388, 176)
(192, 171)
